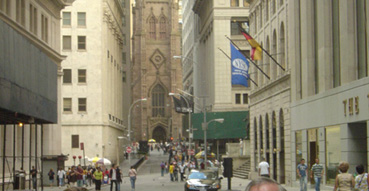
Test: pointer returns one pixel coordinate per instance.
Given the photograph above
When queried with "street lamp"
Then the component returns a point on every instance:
(129, 126)
(204, 128)
(189, 115)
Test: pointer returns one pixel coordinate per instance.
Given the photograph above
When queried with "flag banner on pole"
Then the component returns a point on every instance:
(240, 67)
(256, 48)
(177, 104)
(185, 109)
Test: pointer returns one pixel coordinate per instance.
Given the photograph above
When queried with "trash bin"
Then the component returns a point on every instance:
(20, 181)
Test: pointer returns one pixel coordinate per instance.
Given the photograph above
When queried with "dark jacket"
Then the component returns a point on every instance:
(117, 171)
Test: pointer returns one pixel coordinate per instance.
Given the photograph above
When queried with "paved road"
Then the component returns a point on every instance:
(150, 179)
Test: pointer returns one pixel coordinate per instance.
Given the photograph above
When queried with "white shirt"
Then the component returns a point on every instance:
(114, 175)
(264, 168)
(61, 173)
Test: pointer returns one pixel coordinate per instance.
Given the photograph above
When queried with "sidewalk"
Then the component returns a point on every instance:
(239, 184)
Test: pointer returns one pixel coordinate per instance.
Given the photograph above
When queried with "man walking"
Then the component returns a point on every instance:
(79, 173)
(33, 172)
(182, 170)
(113, 175)
(318, 172)
(302, 171)
(162, 166)
(264, 168)
(61, 175)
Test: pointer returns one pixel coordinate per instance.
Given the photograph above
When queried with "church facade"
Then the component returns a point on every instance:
(155, 73)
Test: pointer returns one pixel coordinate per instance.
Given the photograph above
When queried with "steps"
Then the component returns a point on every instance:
(243, 171)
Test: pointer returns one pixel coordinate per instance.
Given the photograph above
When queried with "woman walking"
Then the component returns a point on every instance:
(344, 181)
(132, 175)
(51, 175)
(98, 175)
(362, 179)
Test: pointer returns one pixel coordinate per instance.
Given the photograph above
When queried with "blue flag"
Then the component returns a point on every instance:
(240, 67)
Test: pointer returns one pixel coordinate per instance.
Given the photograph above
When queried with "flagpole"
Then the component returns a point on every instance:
(240, 27)
(248, 58)
(247, 74)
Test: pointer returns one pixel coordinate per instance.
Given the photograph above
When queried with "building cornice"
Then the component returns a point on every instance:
(270, 85)
(53, 54)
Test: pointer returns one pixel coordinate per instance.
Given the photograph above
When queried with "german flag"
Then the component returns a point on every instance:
(256, 48)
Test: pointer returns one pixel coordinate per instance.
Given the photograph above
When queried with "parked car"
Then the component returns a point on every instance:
(203, 180)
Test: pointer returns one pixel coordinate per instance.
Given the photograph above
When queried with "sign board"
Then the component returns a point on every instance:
(82, 146)
(191, 152)
(129, 150)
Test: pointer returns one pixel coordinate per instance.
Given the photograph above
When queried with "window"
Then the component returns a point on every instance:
(67, 104)
(236, 22)
(82, 104)
(163, 28)
(44, 28)
(336, 44)
(81, 19)
(124, 39)
(108, 54)
(66, 19)
(75, 141)
(235, 3)
(67, 76)
(245, 98)
(81, 42)
(82, 76)
(67, 43)
(5, 6)
(124, 78)
(152, 28)
(361, 38)
(238, 98)
(273, 6)
(21, 12)
(124, 58)
(158, 101)
(245, 3)
(33, 19)
(124, 20)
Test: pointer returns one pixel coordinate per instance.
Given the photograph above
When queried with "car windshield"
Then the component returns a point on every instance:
(203, 175)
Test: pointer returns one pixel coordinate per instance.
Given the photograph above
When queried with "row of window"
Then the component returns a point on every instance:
(67, 77)
(236, 3)
(245, 98)
(20, 16)
(67, 105)
(67, 42)
(115, 119)
(81, 19)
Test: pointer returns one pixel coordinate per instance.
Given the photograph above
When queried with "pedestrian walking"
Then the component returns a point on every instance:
(162, 167)
(362, 179)
(33, 173)
(113, 180)
(51, 175)
(182, 170)
(241, 147)
(133, 176)
(61, 175)
(171, 170)
(302, 171)
(166, 168)
(175, 172)
(98, 176)
(344, 181)
(318, 171)
(79, 175)
(89, 176)
(264, 169)
(119, 177)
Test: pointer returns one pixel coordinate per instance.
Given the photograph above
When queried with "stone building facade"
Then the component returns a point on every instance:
(155, 73)
(94, 76)
(270, 100)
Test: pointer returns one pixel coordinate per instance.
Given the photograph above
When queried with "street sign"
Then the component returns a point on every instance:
(191, 152)
(129, 150)
(82, 146)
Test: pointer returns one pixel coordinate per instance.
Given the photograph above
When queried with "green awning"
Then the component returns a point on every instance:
(234, 125)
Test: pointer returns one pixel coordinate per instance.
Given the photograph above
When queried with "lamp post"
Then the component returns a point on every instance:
(205, 128)
(189, 117)
(129, 125)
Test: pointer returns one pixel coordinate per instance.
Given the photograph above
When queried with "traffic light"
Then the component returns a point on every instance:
(171, 138)
(228, 167)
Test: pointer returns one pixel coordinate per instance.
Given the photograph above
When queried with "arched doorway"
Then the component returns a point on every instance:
(267, 142)
(281, 154)
(159, 134)
(274, 147)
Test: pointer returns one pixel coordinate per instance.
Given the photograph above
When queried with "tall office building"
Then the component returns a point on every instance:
(96, 41)
(156, 39)
(270, 98)
(30, 68)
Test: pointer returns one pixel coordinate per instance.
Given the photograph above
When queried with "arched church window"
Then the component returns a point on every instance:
(152, 28)
(158, 101)
(163, 28)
